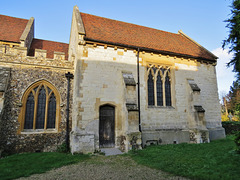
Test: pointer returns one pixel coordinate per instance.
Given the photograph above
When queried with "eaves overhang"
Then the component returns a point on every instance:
(151, 50)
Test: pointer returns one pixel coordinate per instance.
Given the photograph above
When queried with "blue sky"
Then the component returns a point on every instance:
(202, 20)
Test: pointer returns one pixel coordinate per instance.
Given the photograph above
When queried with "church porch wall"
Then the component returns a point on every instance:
(15, 141)
(101, 83)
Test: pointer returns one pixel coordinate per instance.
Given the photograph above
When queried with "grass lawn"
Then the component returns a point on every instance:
(215, 160)
(23, 165)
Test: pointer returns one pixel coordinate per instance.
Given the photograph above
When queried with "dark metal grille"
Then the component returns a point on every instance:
(51, 112)
(29, 113)
(41, 109)
(159, 91)
(168, 91)
(150, 89)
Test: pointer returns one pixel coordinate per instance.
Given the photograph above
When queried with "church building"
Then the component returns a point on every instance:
(115, 85)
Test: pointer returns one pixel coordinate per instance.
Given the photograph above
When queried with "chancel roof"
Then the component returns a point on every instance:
(121, 33)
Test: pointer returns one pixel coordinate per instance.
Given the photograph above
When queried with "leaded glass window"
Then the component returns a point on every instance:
(150, 89)
(29, 113)
(51, 111)
(159, 91)
(40, 106)
(168, 91)
(41, 109)
(159, 86)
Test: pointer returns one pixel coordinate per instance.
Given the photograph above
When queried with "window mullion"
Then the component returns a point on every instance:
(35, 108)
(155, 89)
(163, 88)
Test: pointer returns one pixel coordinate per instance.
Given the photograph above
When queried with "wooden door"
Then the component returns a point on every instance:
(107, 126)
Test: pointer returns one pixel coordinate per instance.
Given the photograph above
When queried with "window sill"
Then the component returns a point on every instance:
(161, 107)
(39, 131)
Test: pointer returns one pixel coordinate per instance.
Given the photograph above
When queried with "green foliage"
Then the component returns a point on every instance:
(234, 97)
(237, 110)
(215, 160)
(237, 141)
(24, 165)
(231, 127)
(62, 148)
(232, 102)
(234, 36)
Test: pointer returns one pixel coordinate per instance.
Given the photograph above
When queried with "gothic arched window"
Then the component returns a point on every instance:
(40, 107)
(159, 86)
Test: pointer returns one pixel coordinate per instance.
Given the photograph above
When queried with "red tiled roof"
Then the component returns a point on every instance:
(11, 28)
(117, 32)
(50, 46)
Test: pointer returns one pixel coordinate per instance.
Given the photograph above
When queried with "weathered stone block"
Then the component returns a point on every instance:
(40, 53)
(216, 133)
(82, 141)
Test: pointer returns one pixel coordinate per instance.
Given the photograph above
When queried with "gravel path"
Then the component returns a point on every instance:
(102, 168)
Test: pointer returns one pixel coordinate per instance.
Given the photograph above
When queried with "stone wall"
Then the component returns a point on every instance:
(24, 72)
(101, 82)
(181, 116)
(4, 77)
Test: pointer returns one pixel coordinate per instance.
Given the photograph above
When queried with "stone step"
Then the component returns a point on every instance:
(111, 151)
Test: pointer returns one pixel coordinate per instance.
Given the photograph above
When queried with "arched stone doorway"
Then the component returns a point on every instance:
(106, 126)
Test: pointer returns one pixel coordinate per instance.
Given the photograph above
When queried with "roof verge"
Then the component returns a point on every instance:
(80, 26)
(28, 34)
(186, 36)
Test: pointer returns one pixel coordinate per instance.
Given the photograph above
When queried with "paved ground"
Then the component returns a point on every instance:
(102, 168)
(111, 151)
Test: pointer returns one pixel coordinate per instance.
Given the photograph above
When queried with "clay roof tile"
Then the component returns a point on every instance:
(11, 28)
(112, 31)
(50, 46)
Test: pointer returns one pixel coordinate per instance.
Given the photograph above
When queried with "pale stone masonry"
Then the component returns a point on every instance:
(99, 80)
(177, 89)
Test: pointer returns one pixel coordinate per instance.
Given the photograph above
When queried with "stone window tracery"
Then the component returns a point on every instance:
(40, 107)
(159, 86)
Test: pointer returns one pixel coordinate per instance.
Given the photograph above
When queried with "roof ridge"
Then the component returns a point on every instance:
(14, 17)
(131, 23)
